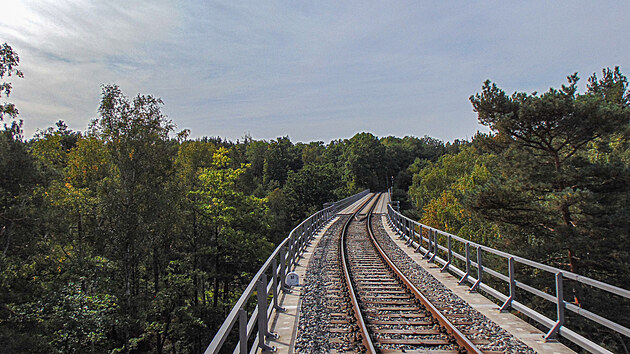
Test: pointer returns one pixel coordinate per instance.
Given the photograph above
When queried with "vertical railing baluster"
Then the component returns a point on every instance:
(429, 246)
(418, 249)
(274, 289)
(508, 302)
(435, 246)
(415, 234)
(465, 277)
(263, 329)
(479, 271)
(449, 254)
(283, 269)
(242, 331)
(410, 228)
(553, 332)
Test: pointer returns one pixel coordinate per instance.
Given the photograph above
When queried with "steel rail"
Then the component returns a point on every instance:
(412, 231)
(460, 338)
(288, 252)
(365, 335)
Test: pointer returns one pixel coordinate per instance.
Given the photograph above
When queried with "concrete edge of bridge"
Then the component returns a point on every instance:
(520, 329)
(285, 324)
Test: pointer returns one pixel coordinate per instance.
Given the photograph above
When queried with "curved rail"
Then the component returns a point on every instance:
(440, 247)
(365, 335)
(457, 335)
(460, 338)
(282, 261)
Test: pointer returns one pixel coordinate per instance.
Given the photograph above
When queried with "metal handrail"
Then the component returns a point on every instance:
(281, 262)
(412, 232)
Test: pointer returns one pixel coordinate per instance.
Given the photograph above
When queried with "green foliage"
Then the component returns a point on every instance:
(78, 322)
(365, 157)
(280, 158)
(439, 190)
(550, 183)
(126, 238)
(308, 189)
(560, 194)
(547, 186)
(9, 60)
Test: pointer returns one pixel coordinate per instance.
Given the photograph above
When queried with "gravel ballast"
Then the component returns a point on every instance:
(481, 329)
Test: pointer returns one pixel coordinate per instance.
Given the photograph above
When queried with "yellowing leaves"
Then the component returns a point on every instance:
(439, 188)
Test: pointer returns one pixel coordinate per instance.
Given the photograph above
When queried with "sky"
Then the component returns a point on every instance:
(310, 70)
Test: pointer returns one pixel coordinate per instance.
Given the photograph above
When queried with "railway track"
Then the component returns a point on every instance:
(390, 314)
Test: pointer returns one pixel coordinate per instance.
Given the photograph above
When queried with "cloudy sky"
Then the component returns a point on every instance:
(312, 70)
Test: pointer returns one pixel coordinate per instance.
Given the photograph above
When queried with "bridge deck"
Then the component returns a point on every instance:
(381, 206)
(520, 329)
(285, 324)
(352, 207)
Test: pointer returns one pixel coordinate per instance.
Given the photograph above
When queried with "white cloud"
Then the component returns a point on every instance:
(69, 48)
(313, 70)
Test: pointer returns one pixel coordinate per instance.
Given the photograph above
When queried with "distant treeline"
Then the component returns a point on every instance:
(129, 237)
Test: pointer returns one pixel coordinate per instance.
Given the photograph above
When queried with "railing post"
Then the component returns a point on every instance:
(310, 231)
(283, 269)
(263, 330)
(290, 253)
(429, 247)
(465, 277)
(293, 250)
(553, 332)
(435, 246)
(401, 227)
(449, 254)
(508, 302)
(300, 242)
(479, 271)
(274, 287)
(419, 239)
(242, 331)
(405, 229)
(307, 234)
(415, 234)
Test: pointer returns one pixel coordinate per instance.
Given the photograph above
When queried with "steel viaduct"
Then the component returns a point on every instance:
(358, 276)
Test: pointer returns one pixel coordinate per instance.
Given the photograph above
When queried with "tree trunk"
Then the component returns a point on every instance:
(5, 232)
(156, 271)
(195, 260)
(215, 296)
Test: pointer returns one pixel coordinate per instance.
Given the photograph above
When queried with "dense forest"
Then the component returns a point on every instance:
(132, 237)
(551, 182)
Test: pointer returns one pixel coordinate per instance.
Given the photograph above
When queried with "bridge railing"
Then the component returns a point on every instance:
(280, 263)
(425, 239)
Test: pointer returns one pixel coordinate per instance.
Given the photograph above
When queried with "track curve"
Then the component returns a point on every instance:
(391, 314)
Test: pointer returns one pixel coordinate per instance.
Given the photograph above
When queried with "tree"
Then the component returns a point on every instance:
(280, 158)
(236, 221)
(403, 152)
(136, 201)
(309, 188)
(365, 159)
(8, 67)
(548, 132)
(439, 191)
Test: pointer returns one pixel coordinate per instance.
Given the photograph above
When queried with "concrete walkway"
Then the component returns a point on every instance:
(285, 324)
